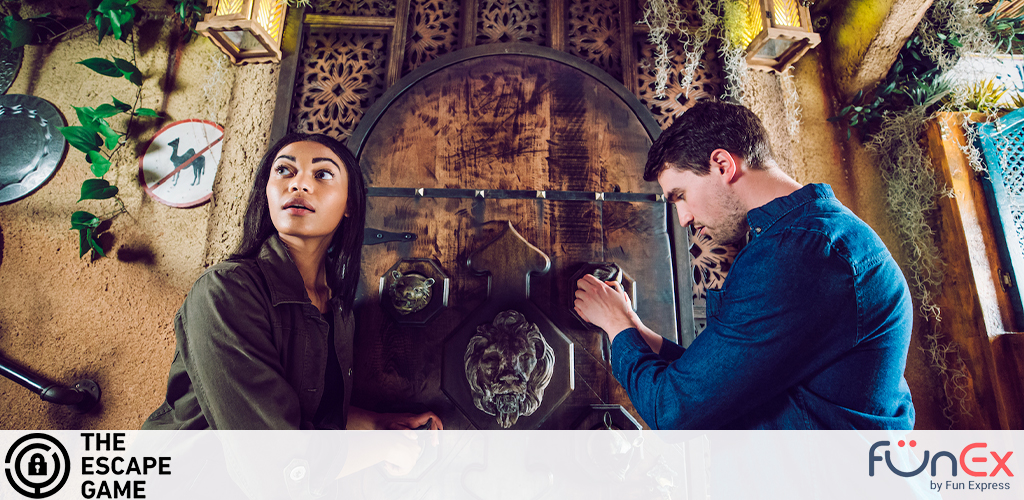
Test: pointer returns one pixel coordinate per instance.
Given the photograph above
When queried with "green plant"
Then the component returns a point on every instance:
(1017, 99)
(1007, 29)
(190, 12)
(116, 18)
(983, 96)
(95, 133)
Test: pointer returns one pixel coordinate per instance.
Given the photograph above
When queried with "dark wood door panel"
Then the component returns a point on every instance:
(535, 120)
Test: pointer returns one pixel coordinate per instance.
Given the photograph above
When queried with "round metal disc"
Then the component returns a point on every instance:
(10, 63)
(33, 148)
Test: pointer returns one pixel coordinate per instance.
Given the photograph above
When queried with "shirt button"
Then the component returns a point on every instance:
(349, 372)
(757, 230)
(298, 473)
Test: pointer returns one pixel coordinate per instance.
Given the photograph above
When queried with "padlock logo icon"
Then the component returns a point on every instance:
(37, 465)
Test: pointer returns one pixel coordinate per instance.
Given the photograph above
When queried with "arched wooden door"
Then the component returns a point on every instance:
(555, 147)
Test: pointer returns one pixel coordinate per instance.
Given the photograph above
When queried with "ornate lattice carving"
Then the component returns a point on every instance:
(594, 34)
(687, 10)
(355, 7)
(709, 263)
(500, 21)
(340, 76)
(707, 82)
(433, 31)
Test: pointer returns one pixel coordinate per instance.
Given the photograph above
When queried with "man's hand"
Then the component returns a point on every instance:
(606, 306)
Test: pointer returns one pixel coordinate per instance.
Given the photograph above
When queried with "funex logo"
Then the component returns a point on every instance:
(955, 462)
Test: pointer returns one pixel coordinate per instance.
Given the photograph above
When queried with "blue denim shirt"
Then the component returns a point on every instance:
(809, 331)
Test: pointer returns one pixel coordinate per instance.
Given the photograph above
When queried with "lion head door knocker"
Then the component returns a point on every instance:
(410, 292)
(508, 365)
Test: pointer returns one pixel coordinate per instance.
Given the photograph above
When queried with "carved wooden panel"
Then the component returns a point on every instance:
(382, 8)
(340, 75)
(502, 21)
(707, 82)
(595, 34)
(433, 31)
(710, 263)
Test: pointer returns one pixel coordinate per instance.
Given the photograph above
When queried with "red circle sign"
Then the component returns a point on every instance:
(180, 163)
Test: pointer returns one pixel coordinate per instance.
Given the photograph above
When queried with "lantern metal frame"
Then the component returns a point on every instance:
(219, 27)
(800, 38)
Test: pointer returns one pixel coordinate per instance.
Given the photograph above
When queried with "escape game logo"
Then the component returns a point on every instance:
(973, 453)
(38, 466)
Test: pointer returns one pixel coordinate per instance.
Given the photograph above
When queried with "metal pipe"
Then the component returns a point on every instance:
(82, 397)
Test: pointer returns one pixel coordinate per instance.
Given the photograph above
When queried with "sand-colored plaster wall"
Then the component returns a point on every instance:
(110, 319)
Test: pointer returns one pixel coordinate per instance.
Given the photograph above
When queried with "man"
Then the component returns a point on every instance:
(811, 328)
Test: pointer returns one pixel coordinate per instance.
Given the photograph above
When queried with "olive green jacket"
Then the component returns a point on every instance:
(252, 349)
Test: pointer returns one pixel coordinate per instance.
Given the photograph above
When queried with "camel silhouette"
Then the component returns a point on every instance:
(197, 166)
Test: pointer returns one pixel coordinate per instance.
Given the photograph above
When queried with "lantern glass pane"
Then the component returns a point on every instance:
(787, 13)
(227, 7)
(270, 16)
(774, 48)
(243, 40)
(752, 23)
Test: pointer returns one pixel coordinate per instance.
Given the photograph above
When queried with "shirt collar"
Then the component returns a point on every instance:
(764, 217)
(283, 278)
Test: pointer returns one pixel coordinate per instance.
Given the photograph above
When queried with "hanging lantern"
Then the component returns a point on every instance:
(776, 33)
(248, 31)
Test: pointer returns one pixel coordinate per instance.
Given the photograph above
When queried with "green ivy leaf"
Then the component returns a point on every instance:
(102, 27)
(101, 66)
(95, 245)
(99, 164)
(94, 123)
(129, 71)
(81, 138)
(83, 220)
(107, 110)
(83, 242)
(120, 105)
(121, 22)
(17, 31)
(146, 112)
(97, 189)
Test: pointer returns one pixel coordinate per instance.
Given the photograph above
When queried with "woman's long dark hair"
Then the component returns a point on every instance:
(346, 248)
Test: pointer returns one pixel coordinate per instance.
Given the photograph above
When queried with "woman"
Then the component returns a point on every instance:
(264, 339)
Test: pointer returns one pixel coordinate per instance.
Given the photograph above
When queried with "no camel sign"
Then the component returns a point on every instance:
(180, 163)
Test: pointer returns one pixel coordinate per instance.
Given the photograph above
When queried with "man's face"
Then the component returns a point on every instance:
(706, 203)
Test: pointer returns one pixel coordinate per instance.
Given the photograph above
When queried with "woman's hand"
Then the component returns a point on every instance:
(398, 421)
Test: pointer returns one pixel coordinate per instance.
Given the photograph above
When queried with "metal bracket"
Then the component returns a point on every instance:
(373, 236)
(1005, 279)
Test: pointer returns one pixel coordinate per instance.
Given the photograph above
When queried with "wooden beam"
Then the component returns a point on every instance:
(396, 54)
(556, 24)
(352, 23)
(627, 48)
(291, 47)
(469, 12)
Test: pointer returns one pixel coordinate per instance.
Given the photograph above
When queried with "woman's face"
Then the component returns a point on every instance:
(307, 191)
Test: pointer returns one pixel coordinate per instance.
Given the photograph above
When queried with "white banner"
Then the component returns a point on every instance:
(511, 464)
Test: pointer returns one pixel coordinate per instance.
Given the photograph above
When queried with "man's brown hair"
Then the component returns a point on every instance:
(707, 126)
